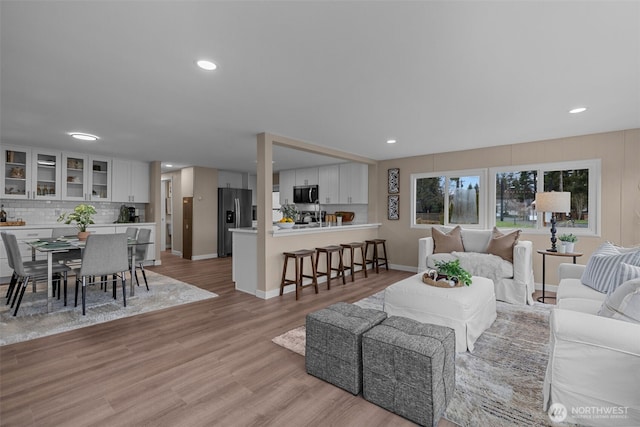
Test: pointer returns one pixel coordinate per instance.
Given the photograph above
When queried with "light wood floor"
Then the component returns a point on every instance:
(206, 363)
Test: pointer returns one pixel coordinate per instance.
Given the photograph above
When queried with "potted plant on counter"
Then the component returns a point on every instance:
(289, 213)
(82, 215)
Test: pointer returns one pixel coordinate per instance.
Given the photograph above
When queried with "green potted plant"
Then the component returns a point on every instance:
(289, 211)
(568, 242)
(82, 215)
(453, 271)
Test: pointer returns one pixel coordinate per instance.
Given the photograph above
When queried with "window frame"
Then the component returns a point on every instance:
(482, 198)
(488, 197)
(594, 205)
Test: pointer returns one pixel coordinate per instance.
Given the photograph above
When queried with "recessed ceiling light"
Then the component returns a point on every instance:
(168, 165)
(578, 110)
(391, 141)
(206, 65)
(83, 136)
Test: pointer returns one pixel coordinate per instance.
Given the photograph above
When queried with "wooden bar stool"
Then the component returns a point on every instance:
(378, 259)
(298, 257)
(329, 251)
(352, 247)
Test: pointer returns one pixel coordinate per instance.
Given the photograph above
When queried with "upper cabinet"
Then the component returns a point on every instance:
(130, 181)
(228, 179)
(86, 177)
(287, 182)
(30, 173)
(354, 183)
(329, 184)
(308, 176)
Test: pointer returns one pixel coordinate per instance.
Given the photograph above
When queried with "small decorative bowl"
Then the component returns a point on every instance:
(287, 225)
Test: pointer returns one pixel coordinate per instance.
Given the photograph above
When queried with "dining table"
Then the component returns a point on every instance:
(50, 246)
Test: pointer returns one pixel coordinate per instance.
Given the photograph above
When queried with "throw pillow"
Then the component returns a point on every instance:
(600, 272)
(623, 303)
(626, 272)
(447, 242)
(502, 244)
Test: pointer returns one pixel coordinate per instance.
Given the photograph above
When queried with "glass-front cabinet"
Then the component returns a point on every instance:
(30, 174)
(86, 178)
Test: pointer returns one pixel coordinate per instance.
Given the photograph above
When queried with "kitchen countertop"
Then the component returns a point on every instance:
(305, 229)
(61, 224)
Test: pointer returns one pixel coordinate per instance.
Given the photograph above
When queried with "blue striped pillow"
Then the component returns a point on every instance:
(601, 272)
(626, 272)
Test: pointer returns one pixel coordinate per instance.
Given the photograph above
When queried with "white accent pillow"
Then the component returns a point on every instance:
(601, 270)
(626, 272)
(623, 303)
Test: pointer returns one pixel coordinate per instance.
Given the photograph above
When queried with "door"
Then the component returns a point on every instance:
(187, 227)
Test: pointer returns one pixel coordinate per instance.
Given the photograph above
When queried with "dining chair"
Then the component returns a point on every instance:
(23, 272)
(144, 237)
(131, 232)
(103, 255)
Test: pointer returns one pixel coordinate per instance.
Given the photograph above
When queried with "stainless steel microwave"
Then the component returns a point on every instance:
(305, 194)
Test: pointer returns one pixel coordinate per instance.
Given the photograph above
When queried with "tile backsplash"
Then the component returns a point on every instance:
(48, 211)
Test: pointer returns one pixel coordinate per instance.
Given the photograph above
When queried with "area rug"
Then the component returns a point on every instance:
(33, 321)
(500, 383)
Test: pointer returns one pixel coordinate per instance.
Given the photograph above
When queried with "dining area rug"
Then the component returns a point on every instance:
(500, 383)
(33, 321)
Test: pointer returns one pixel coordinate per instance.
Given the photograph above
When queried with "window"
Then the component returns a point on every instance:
(462, 197)
(449, 198)
(515, 193)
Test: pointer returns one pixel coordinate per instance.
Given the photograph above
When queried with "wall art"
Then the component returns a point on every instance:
(393, 179)
(393, 207)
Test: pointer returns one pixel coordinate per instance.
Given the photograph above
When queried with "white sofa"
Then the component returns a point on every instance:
(513, 282)
(594, 361)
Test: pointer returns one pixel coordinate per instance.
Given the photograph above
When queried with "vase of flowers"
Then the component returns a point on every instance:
(82, 215)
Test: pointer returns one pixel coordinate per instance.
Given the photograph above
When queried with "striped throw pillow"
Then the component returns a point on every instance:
(626, 272)
(601, 272)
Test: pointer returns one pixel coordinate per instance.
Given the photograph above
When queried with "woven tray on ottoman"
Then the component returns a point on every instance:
(334, 343)
(409, 368)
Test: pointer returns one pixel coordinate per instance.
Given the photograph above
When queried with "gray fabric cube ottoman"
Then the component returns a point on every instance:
(409, 368)
(334, 343)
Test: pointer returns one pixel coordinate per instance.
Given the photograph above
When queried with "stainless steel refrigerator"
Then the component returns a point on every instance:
(234, 211)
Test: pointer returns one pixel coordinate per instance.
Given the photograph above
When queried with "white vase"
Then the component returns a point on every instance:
(562, 248)
(569, 247)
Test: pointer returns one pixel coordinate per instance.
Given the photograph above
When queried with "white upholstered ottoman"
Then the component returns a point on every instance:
(468, 310)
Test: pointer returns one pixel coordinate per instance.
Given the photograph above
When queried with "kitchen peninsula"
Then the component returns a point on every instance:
(245, 250)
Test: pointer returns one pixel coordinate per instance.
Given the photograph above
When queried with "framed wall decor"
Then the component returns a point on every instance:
(393, 207)
(393, 179)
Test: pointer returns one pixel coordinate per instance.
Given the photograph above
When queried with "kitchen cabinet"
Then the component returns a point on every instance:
(287, 182)
(354, 183)
(86, 177)
(329, 184)
(307, 176)
(228, 179)
(129, 181)
(30, 174)
(253, 186)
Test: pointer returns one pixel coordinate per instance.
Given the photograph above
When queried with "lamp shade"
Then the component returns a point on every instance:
(553, 201)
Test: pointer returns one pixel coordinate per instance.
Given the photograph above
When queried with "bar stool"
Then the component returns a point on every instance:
(298, 257)
(352, 247)
(329, 251)
(377, 258)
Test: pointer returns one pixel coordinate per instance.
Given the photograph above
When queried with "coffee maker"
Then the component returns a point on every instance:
(132, 214)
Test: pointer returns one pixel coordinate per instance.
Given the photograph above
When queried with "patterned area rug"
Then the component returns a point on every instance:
(33, 321)
(500, 383)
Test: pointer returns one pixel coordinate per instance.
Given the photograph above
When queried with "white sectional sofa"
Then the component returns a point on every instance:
(594, 361)
(513, 282)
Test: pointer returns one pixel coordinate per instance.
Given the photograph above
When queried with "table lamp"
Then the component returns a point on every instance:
(553, 201)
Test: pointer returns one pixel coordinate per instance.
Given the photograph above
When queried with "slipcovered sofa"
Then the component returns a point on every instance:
(594, 361)
(513, 281)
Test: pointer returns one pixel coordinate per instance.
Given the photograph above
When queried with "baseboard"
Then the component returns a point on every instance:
(408, 268)
(174, 252)
(551, 288)
(205, 256)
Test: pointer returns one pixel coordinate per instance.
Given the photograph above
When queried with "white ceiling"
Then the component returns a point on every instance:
(436, 76)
